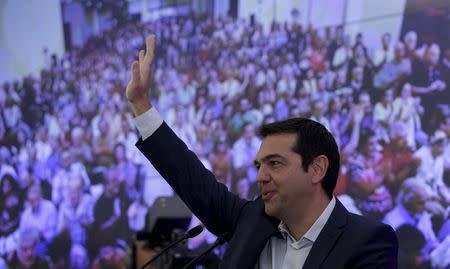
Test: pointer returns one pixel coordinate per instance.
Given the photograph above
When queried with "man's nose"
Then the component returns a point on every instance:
(262, 176)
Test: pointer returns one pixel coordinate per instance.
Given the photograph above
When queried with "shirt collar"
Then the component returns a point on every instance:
(317, 226)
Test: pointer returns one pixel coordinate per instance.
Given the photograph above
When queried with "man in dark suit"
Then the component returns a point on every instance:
(428, 80)
(296, 223)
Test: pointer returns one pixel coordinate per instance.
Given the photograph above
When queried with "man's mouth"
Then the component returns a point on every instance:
(267, 195)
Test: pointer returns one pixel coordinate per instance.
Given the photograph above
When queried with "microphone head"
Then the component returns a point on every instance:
(195, 231)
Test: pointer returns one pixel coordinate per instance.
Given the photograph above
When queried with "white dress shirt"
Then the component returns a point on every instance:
(286, 252)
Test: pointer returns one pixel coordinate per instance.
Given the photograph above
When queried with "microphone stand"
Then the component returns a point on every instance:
(191, 233)
(220, 241)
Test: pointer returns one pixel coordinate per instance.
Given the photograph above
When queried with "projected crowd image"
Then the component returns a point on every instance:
(75, 189)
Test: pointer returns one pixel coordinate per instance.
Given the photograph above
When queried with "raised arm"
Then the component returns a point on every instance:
(208, 199)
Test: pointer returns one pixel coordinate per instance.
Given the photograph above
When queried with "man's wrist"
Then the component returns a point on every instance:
(140, 107)
(148, 122)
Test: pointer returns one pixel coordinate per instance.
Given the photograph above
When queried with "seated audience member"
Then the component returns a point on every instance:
(39, 213)
(431, 165)
(398, 160)
(385, 54)
(25, 256)
(428, 82)
(59, 250)
(410, 248)
(411, 50)
(110, 257)
(136, 213)
(393, 72)
(76, 212)
(383, 115)
(407, 110)
(413, 208)
(439, 256)
(79, 258)
(108, 216)
(366, 179)
(11, 204)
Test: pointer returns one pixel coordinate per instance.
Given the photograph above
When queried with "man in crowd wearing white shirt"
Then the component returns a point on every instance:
(431, 164)
(39, 214)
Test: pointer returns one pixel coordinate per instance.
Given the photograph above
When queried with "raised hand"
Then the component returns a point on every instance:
(138, 88)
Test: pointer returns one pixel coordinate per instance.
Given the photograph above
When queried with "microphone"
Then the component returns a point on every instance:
(189, 234)
(220, 241)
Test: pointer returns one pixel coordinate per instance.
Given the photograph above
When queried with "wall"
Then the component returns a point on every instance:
(26, 28)
(372, 17)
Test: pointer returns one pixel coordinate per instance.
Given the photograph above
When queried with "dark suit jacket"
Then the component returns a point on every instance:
(347, 240)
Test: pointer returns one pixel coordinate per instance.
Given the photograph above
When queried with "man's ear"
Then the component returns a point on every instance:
(319, 168)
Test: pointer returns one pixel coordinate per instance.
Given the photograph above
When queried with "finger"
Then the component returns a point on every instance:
(135, 72)
(150, 49)
(141, 56)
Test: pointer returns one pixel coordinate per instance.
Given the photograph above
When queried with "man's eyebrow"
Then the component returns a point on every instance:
(268, 157)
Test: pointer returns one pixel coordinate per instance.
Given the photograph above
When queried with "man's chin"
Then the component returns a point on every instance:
(270, 210)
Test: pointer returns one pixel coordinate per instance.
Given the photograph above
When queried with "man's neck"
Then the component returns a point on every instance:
(299, 224)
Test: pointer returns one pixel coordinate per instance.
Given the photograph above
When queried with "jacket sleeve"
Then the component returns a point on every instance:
(379, 251)
(208, 199)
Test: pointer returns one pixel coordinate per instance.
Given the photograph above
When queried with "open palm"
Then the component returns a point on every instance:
(141, 74)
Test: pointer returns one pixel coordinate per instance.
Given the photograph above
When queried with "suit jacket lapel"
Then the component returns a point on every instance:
(327, 237)
(263, 228)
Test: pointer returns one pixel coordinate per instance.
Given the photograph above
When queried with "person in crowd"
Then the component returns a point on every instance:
(136, 213)
(127, 174)
(59, 250)
(79, 258)
(394, 72)
(430, 169)
(412, 51)
(356, 82)
(221, 164)
(398, 160)
(414, 208)
(75, 214)
(25, 256)
(411, 244)
(11, 207)
(371, 196)
(365, 67)
(243, 188)
(61, 178)
(242, 150)
(108, 213)
(385, 53)
(40, 214)
(110, 257)
(342, 56)
(383, 115)
(428, 82)
(11, 204)
(445, 67)
(407, 110)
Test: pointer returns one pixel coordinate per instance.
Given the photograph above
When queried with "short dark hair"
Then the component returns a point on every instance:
(313, 139)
